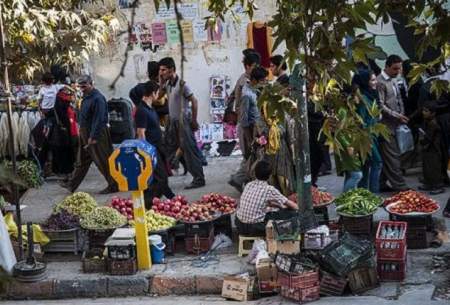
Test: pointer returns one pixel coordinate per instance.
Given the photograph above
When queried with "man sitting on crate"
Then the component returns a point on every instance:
(261, 202)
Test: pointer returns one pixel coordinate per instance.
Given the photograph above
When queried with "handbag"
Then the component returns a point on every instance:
(405, 140)
(59, 135)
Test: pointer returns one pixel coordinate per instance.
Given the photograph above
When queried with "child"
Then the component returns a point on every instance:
(434, 161)
(257, 200)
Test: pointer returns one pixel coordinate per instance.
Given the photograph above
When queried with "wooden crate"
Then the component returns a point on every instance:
(122, 267)
(93, 265)
(363, 279)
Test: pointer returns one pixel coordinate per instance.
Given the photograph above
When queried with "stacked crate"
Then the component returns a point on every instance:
(391, 250)
(300, 287)
(199, 237)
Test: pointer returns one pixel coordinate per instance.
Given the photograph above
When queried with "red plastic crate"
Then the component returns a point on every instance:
(391, 271)
(388, 248)
(298, 281)
(301, 295)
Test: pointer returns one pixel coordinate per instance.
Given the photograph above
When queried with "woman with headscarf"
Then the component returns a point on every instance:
(64, 134)
(366, 82)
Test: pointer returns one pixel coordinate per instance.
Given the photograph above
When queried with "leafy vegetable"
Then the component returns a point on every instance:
(358, 202)
(103, 218)
(80, 204)
(28, 171)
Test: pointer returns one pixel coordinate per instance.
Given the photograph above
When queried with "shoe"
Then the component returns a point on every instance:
(437, 191)
(204, 163)
(194, 185)
(236, 185)
(324, 173)
(108, 190)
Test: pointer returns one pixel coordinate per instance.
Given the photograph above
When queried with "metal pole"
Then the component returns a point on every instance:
(302, 153)
(4, 63)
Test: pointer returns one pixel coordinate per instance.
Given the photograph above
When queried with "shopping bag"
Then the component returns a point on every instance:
(404, 138)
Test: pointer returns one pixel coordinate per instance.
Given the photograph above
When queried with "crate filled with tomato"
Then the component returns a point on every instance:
(319, 198)
(411, 203)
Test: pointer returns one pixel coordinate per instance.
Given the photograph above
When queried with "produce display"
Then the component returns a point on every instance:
(103, 218)
(123, 206)
(79, 203)
(197, 212)
(318, 197)
(28, 171)
(357, 202)
(157, 222)
(219, 203)
(170, 207)
(411, 202)
(62, 221)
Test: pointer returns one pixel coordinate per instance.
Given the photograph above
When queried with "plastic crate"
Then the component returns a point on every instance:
(284, 262)
(201, 229)
(363, 279)
(301, 295)
(417, 237)
(196, 244)
(93, 265)
(389, 248)
(223, 225)
(391, 271)
(63, 241)
(322, 216)
(332, 285)
(359, 226)
(97, 238)
(318, 241)
(414, 221)
(121, 267)
(298, 281)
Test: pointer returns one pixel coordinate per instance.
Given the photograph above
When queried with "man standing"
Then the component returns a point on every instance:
(95, 141)
(392, 110)
(251, 60)
(181, 127)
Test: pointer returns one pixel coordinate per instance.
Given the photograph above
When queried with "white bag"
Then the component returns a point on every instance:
(404, 138)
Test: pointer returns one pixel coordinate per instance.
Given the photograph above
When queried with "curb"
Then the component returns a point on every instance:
(112, 286)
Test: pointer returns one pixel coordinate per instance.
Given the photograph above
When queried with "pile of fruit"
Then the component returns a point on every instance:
(123, 206)
(157, 222)
(62, 221)
(410, 202)
(318, 197)
(79, 204)
(170, 207)
(357, 202)
(197, 212)
(102, 218)
(218, 203)
(28, 171)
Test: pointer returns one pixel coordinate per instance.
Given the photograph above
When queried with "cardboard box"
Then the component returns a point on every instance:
(283, 246)
(238, 288)
(270, 230)
(266, 270)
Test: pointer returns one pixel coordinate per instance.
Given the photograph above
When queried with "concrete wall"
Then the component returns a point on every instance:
(203, 59)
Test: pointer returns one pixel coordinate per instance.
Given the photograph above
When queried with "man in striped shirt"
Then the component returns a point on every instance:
(260, 199)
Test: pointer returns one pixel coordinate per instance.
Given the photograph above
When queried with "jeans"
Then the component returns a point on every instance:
(352, 179)
(371, 176)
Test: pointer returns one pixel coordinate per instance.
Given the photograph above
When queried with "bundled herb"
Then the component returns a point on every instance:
(28, 171)
(358, 202)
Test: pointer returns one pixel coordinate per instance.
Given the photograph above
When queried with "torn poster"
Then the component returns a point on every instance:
(159, 34)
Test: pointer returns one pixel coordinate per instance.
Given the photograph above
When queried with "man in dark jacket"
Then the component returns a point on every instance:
(95, 140)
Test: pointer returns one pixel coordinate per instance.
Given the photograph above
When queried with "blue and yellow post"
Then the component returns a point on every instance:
(131, 166)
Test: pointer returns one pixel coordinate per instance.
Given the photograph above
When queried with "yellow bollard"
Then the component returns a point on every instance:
(142, 246)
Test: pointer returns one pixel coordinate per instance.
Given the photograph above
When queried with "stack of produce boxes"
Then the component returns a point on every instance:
(391, 250)
(302, 285)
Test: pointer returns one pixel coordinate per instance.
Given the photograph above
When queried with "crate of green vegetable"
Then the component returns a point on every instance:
(357, 202)
(80, 204)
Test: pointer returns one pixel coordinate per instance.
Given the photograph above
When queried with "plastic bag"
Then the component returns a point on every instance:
(404, 138)
(221, 241)
(258, 245)
(7, 256)
(39, 236)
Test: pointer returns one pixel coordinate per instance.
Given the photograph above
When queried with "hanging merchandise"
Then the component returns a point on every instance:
(259, 36)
